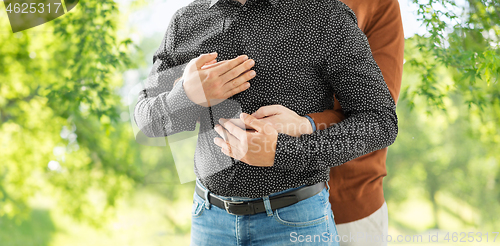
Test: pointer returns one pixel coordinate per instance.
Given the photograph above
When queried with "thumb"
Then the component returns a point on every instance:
(207, 65)
(267, 111)
(253, 122)
(205, 58)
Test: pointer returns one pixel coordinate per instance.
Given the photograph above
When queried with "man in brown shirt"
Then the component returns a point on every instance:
(356, 192)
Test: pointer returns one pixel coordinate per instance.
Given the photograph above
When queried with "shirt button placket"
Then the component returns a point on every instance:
(241, 31)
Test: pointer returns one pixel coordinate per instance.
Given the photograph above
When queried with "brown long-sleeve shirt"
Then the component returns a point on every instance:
(356, 187)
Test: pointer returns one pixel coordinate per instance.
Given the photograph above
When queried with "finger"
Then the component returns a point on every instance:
(231, 64)
(238, 84)
(225, 148)
(236, 90)
(204, 58)
(207, 66)
(238, 122)
(228, 137)
(209, 63)
(238, 70)
(232, 143)
(221, 132)
(220, 142)
(236, 131)
(238, 79)
(267, 111)
(253, 122)
(227, 152)
(270, 121)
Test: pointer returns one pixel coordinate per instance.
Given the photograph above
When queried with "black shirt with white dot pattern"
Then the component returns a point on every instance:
(305, 52)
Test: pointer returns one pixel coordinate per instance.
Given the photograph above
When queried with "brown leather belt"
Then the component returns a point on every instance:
(257, 206)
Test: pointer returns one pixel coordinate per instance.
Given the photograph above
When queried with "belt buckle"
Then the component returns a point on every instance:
(227, 203)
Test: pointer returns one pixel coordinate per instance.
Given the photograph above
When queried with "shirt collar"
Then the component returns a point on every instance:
(213, 2)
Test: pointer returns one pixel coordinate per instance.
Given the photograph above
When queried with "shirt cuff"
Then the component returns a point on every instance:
(312, 122)
(291, 153)
(178, 101)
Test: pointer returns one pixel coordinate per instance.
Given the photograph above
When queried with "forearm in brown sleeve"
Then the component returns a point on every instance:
(386, 37)
(329, 117)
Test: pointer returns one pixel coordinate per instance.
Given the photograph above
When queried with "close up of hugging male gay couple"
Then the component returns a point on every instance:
(296, 104)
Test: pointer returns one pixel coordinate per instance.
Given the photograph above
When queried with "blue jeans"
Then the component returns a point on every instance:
(308, 222)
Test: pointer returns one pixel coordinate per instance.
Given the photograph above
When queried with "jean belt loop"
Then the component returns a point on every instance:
(327, 185)
(207, 201)
(267, 205)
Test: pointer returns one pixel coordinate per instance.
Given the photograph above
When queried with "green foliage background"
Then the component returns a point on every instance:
(60, 101)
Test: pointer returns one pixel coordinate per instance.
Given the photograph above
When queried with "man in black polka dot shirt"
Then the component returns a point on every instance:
(288, 52)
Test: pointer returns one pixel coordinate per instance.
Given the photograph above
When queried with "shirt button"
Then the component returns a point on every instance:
(245, 8)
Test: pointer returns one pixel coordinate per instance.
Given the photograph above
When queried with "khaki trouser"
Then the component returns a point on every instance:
(369, 231)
